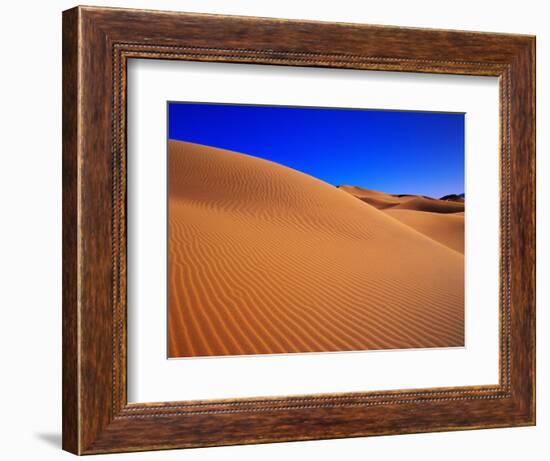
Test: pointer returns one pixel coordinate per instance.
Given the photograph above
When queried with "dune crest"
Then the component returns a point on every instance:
(445, 228)
(264, 259)
(382, 200)
(439, 219)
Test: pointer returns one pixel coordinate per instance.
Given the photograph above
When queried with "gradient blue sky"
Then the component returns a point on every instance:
(399, 152)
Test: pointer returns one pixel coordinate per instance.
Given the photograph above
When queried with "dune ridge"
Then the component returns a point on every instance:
(382, 201)
(445, 228)
(439, 219)
(264, 259)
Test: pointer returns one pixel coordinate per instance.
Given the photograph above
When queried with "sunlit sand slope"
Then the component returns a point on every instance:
(382, 201)
(264, 259)
(439, 219)
(446, 228)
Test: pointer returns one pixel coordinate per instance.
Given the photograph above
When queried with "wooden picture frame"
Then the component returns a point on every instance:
(97, 44)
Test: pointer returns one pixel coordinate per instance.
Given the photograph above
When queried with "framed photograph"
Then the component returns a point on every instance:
(281, 230)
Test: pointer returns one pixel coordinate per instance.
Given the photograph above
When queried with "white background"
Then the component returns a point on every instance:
(30, 243)
(153, 378)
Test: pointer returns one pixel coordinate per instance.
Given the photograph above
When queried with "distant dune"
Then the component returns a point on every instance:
(264, 259)
(453, 197)
(383, 201)
(440, 219)
(446, 228)
(377, 199)
(426, 204)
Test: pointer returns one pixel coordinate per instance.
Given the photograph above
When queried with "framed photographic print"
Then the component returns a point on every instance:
(282, 230)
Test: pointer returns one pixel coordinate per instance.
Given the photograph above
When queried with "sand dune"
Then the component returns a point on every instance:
(264, 259)
(430, 205)
(446, 228)
(377, 199)
(384, 201)
(439, 219)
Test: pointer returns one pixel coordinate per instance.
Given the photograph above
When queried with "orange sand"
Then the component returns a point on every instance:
(264, 259)
(441, 220)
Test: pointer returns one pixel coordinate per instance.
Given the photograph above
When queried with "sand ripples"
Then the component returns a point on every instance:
(264, 259)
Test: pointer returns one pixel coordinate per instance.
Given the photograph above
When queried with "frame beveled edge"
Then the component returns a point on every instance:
(96, 415)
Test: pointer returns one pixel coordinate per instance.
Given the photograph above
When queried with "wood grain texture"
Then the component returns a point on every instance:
(70, 383)
(97, 42)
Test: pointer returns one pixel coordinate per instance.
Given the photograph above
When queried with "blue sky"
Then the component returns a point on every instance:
(400, 152)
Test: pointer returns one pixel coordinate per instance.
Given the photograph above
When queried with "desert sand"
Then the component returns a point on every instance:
(440, 219)
(264, 259)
